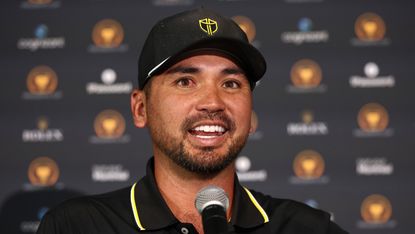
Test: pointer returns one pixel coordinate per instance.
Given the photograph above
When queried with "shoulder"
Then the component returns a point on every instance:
(77, 213)
(87, 203)
(295, 216)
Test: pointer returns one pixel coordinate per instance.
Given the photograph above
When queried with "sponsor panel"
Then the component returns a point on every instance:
(370, 30)
(43, 171)
(107, 37)
(43, 133)
(41, 40)
(40, 4)
(243, 167)
(255, 134)
(371, 79)
(109, 173)
(374, 166)
(308, 126)
(109, 126)
(305, 34)
(376, 213)
(306, 76)
(109, 84)
(42, 83)
(373, 121)
(309, 167)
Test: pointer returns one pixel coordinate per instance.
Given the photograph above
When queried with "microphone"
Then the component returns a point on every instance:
(212, 203)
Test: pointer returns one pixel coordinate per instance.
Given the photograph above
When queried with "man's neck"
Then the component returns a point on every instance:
(179, 188)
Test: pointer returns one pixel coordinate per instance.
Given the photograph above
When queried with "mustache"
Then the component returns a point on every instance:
(190, 121)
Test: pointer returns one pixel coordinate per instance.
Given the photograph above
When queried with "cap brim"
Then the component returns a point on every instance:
(244, 54)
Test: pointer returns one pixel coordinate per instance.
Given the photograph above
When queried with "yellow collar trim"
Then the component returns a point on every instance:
(134, 207)
(257, 205)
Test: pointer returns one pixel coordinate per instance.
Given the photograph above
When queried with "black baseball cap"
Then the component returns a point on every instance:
(177, 36)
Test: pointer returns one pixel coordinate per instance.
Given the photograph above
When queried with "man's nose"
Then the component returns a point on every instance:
(211, 100)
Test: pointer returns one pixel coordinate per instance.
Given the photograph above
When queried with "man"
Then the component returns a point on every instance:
(197, 71)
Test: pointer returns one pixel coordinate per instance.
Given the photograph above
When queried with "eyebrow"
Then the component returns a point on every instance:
(194, 70)
(182, 69)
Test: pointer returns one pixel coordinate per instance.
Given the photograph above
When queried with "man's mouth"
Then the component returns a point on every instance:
(207, 131)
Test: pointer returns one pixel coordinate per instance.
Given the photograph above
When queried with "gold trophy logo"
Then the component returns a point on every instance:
(109, 124)
(39, 2)
(373, 117)
(376, 209)
(43, 171)
(307, 116)
(247, 25)
(108, 33)
(308, 165)
(42, 80)
(254, 122)
(370, 27)
(42, 123)
(306, 74)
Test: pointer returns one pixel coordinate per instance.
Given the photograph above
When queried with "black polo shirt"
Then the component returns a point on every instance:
(141, 208)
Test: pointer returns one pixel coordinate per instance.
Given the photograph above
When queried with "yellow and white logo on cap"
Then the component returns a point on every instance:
(208, 25)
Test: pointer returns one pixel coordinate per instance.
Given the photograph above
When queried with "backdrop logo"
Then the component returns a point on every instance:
(371, 78)
(370, 29)
(308, 167)
(172, 2)
(306, 76)
(373, 120)
(208, 25)
(373, 166)
(40, 4)
(42, 133)
(41, 40)
(109, 173)
(376, 212)
(107, 35)
(109, 127)
(247, 25)
(43, 171)
(305, 34)
(243, 167)
(42, 83)
(308, 126)
(108, 85)
(255, 134)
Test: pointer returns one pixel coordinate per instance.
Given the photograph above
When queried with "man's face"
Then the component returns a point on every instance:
(199, 113)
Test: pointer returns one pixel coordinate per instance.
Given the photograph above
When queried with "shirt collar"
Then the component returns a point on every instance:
(151, 211)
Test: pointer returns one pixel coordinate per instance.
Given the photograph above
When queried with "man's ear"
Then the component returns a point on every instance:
(138, 108)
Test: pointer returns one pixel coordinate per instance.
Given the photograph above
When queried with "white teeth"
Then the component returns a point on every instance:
(210, 128)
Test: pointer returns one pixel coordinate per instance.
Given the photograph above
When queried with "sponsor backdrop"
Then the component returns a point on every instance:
(334, 114)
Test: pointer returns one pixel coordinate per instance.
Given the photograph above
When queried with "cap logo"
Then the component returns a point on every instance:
(208, 25)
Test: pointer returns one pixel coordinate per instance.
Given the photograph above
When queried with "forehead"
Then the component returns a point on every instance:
(205, 61)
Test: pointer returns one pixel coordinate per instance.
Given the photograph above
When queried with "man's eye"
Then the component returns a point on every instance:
(184, 82)
(231, 84)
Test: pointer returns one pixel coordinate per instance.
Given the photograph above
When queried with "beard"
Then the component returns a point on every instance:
(205, 161)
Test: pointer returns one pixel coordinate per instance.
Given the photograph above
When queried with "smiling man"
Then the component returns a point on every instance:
(197, 72)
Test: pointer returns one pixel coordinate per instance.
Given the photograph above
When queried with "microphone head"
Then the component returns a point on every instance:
(211, 195)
